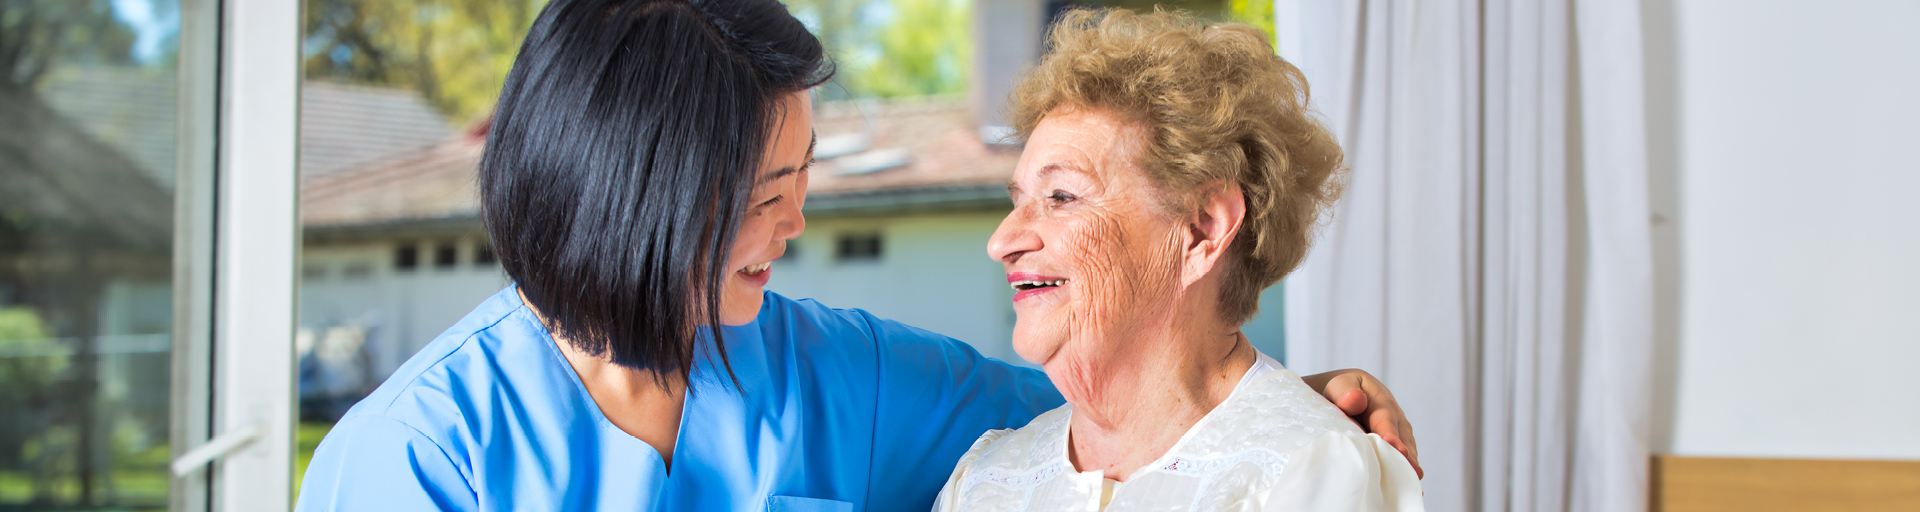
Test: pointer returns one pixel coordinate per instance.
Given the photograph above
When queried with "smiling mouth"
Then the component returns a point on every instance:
(754, 270)
(1022, 286)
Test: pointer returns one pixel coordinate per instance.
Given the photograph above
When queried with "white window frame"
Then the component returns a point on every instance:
(236, 255)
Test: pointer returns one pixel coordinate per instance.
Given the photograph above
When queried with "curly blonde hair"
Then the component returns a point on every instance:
(1218, 105)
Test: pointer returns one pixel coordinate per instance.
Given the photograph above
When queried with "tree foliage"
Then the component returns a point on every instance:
(1258, 13)
(37, 34)
(891, 48)
(926, 49)
(455, 53)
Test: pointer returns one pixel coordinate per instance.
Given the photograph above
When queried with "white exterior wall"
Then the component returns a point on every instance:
(1794, 255)
(933, 273)
(403, 310)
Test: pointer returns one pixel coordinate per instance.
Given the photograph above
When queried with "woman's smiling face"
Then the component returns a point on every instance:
(1088, 248)
(773, 213)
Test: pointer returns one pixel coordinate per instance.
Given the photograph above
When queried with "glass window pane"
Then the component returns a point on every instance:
(87, 161)
(393, 113)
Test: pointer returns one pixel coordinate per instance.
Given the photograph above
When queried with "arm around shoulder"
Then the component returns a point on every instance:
(1340, 471)
(378, 463)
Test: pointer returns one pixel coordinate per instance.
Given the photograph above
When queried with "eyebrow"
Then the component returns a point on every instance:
(788, 170)
(1013, 188)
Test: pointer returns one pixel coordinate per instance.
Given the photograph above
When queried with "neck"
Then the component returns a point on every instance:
(642, 403)
(1131, 405)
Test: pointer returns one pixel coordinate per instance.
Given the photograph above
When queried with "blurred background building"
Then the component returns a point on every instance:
(1754, 353)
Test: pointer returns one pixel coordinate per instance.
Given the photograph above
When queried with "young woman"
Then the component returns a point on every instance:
(648, 159)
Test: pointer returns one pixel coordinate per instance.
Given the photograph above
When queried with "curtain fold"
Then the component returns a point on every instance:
(1491, 260)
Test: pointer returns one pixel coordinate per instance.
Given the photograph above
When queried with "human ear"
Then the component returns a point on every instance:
(1212, 228)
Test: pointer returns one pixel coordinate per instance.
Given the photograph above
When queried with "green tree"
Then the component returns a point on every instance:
(924, 50)
(455, 53)
(892, 48)
(34, 359)
(1258, 13)
(36, 34)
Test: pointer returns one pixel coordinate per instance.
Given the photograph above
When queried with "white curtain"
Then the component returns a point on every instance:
(1491, 260)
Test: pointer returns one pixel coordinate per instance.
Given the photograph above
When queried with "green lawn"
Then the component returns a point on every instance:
(139, 481)
(306, 438)
(142, 479)
(144, 489)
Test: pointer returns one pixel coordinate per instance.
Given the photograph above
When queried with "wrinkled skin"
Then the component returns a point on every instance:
(1131, 335)
(1084, 213)
(1128, 325)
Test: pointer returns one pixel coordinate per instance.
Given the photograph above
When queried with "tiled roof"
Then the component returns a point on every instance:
(942, 149)
(66, 188)
(132, 109)
(940, 136)
(344, 127)
(436, 182)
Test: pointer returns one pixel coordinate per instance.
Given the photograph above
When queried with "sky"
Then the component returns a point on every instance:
(155, 24)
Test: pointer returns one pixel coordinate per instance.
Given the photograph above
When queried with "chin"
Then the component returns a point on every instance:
(740, 308)
(1034, 349)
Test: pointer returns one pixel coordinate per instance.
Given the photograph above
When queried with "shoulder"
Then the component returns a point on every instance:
(816, 330)
(373, 462)
(497, 349)
(1018, 469)
(1038, 445)
(1315, 458)
(1265, 422)
(809, 314)
(1275, 441)
(1279, 410)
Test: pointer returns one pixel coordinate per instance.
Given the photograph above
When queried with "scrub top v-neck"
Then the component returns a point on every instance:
(836, 410)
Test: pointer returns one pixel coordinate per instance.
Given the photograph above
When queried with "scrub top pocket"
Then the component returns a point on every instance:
(798, 504)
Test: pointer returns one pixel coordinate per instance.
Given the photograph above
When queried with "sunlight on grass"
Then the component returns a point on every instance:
(306, 440)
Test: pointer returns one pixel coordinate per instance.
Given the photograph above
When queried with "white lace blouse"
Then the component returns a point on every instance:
(1274, 444)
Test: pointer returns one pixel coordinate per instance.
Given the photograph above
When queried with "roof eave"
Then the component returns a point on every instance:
(862, 203)
(895, 201)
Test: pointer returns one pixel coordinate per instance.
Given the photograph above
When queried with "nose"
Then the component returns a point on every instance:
(792, 221)
(1014, 237)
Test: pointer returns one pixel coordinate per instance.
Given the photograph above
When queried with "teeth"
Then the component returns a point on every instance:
(1028, 285)
(755, 269)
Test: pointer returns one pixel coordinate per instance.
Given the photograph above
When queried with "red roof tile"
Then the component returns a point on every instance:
(440, 182)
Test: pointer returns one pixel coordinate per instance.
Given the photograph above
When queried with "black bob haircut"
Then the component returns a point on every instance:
(621, 157)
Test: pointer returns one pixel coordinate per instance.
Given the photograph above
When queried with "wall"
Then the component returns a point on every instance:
(1792, 232)
(358, 284)
(933, 273)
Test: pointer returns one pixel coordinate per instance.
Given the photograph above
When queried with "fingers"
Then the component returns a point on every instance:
(1338, 387)
(1371, 405)
(1353, 403)
(1395, 430)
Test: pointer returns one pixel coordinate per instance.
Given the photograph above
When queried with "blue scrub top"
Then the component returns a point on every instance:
(836, 411)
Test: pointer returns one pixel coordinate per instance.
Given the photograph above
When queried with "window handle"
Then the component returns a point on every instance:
(217, 448)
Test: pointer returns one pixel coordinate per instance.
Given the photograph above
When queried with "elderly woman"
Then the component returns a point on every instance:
(1172, 172)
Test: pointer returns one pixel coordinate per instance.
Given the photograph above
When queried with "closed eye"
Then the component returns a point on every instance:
(770, 202)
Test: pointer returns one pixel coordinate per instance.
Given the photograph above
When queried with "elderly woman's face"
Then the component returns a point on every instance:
(1088, 247)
